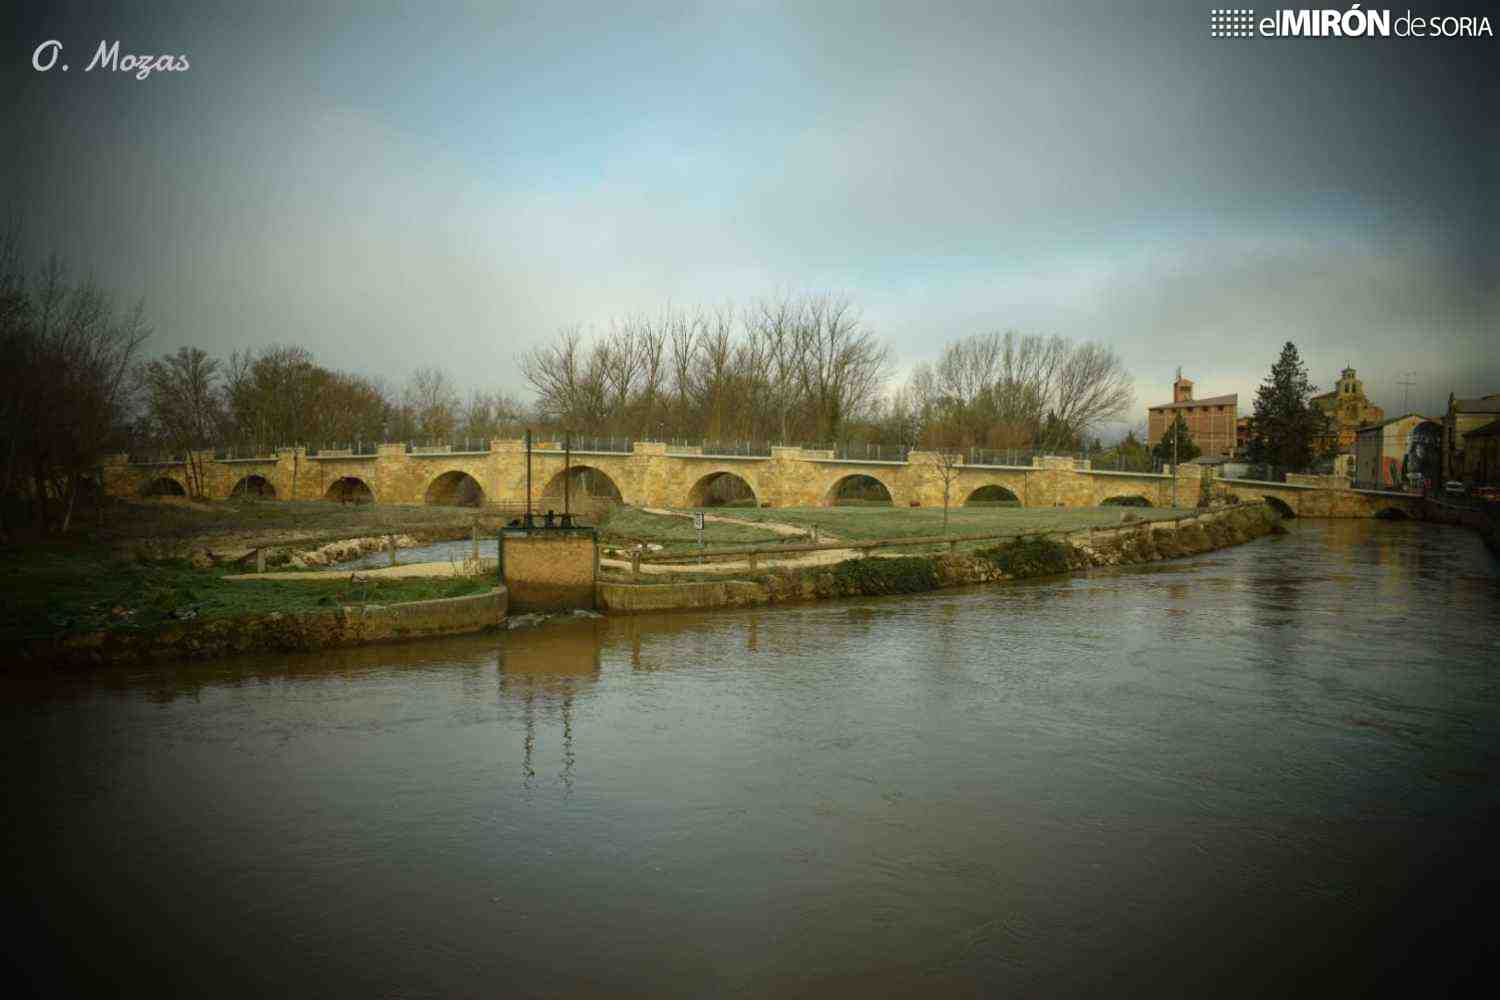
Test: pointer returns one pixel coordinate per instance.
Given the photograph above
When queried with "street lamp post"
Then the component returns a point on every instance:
(1174, 461)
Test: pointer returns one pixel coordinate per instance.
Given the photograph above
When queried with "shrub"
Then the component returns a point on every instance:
(901, 575)
(1026, 557)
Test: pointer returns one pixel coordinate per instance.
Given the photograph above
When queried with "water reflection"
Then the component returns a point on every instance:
(543, 671)
(1214, 773)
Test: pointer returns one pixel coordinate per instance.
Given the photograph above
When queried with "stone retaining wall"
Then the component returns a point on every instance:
(277, 631)
(1127, 544)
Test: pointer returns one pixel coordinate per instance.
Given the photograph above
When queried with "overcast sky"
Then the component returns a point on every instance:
(449, 184)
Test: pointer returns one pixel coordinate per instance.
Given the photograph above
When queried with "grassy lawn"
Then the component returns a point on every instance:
(61, 588)
(677, 534)
(869, 523)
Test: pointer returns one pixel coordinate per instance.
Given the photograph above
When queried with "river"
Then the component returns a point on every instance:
(1267, 769)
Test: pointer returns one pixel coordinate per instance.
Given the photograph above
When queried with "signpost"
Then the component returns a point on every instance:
(698, 523)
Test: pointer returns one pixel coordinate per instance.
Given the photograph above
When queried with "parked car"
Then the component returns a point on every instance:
(1453, 488)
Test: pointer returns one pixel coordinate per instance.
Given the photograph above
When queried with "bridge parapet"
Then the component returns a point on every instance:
(653, 473)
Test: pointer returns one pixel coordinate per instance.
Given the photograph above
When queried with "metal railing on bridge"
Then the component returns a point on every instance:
(613, 445)
(340, 450)
(861, 451)
(244, 453)
(998, 456)
(155, 458)
(738, 449)
(457, 446)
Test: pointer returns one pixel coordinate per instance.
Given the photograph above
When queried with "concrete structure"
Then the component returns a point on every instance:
(1348, 409)
(549, 570)
(1463, 416)
(1399, 453)
(1210, 422)
(649, 475)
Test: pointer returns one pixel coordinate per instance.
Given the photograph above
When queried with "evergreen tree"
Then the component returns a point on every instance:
(1287, 428)
(1186, 449)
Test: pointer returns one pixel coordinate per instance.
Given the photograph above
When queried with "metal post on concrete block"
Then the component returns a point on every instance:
(260, 560)
(635, 564)
(390, 544)
(474, 532)
(952, 546)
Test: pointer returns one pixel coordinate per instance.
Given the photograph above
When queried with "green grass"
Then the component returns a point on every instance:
(869, 523)
(677, 534)
(51, 590)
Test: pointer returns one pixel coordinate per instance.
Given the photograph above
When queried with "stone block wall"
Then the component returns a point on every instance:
(550, 571)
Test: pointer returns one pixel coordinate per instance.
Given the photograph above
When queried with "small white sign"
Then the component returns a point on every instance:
(698, 521)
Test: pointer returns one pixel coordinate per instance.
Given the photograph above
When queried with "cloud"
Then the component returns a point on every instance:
(449, 190)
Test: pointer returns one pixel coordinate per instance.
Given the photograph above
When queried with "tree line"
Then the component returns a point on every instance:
(804, 369)
(799, 369)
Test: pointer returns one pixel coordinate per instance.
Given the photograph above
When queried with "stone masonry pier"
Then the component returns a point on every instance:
(652, 475)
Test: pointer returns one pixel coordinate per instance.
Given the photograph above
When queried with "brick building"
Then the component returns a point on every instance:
(1210, 422)
(1347, 406)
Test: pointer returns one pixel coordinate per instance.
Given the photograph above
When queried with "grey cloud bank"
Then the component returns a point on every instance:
(445, 186)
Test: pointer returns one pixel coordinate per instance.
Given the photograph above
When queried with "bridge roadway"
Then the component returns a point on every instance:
(651, 475)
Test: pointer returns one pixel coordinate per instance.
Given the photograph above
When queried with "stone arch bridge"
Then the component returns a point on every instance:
(651, 475)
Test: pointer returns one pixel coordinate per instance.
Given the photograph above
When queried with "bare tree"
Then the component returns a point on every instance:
(185, 406)
(434, 403)
(1014, 390)
(944, 465)
(844, 366)
(1090, 386)
(65, 359)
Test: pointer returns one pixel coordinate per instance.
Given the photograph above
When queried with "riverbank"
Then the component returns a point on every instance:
(275, 631)
(1024, 558)
(1484, 520)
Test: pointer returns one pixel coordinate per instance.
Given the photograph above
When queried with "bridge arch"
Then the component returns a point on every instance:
(992, 493)
(1125, 500)
(163, 486)
(722, 488)
(584, 481)
(1280, 506)
(858, 488)
(350, 489)
(454, 488)
(254, 487)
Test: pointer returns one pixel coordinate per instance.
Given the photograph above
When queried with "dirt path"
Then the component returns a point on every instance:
(823, 558)
(687, 565)
(433, 569)
(776, 527)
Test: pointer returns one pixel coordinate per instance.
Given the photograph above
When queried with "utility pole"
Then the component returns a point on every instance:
(1406, 382)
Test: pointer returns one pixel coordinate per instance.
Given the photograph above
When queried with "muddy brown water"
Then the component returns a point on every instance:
(1264, 770)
